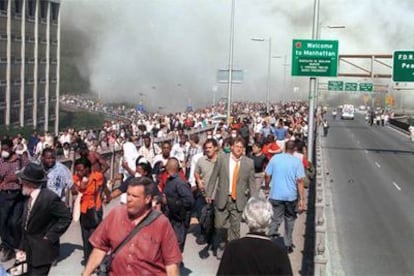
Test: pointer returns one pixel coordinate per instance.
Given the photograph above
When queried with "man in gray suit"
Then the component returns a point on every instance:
(235, 185)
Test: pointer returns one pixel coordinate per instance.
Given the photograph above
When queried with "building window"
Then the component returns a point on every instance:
(54, 12)
(17, 7)
(3, 6)
(43, 9)
(31, 8)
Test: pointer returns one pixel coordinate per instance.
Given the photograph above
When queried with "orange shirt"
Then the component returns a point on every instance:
(91, 195)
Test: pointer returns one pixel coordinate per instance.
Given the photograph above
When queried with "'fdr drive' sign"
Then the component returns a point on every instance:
(314, 58)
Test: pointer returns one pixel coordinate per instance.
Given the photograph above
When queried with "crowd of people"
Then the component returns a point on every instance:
(251, 167)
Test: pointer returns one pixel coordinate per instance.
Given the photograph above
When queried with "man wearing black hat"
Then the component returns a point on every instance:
(45, 219)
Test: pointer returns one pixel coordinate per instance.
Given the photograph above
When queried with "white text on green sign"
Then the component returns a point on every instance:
(318, 58)
(403, 66)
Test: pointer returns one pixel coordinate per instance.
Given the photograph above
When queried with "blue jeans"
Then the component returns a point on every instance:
(283, 210)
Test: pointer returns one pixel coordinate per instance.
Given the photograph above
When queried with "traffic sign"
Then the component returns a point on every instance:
(223, 75)
(351, 86)
(335, 85)
(314, 58)
(403, 66)
(365, 87)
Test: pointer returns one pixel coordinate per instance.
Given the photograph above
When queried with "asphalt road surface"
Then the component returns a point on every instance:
(370, 171)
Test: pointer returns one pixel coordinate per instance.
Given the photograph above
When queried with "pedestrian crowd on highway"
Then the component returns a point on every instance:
(171, 180)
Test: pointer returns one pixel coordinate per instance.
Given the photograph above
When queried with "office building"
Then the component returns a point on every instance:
(29, 63)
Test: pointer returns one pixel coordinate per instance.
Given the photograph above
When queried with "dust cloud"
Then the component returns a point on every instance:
(167, 53)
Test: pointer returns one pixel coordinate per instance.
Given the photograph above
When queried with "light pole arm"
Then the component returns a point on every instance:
(269, 69)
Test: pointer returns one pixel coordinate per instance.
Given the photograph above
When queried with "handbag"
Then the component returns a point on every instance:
(91, 218)
(105, 265)
(77, 208)
(18, 268)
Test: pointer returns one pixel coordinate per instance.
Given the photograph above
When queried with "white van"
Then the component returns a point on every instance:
(348, 111)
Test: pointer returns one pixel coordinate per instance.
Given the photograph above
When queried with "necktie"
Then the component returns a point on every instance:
(27, 210)
(234, 182)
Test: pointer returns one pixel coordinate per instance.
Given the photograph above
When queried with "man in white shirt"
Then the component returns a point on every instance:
(180, 149)
(149, 150)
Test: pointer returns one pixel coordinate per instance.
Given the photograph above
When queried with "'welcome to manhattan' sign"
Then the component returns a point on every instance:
(314, 58)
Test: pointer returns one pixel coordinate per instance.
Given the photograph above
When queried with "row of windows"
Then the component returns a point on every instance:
(17, 82)
(18, 61)
(17, 37)
(17, 8)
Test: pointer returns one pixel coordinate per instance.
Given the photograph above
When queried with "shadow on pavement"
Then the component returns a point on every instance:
(309, 246)
(66, 249)
(185, 271)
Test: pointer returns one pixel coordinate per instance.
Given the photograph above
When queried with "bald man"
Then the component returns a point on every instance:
(179, 200)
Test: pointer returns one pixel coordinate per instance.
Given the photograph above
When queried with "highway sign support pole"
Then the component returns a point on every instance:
(312, 86)
(311, 119)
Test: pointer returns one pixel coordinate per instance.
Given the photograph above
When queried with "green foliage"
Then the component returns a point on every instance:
(80, 120)
(24, 131)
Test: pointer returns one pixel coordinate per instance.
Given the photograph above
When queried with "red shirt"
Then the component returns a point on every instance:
(271, 146)
(163, 177)
(147, 253)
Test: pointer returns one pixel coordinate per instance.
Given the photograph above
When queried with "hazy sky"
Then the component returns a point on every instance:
(170, 50)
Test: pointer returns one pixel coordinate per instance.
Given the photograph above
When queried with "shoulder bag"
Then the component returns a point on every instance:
(105, 265)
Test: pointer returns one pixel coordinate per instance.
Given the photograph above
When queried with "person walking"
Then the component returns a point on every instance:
(255, 254)
(60, 178)
(11, 200)
(325, 126)
(152, 251)
(45, 219)
(203, 169)
(179, 200)
(90, 185)
(285, 173)
(233, 182)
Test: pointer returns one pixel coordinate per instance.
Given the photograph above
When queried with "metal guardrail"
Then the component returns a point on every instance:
(400, 125)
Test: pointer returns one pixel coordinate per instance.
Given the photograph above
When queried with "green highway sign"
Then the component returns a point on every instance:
(314, 58)
(335, 85)
(403, 66)
(366, 87)
(351, 86)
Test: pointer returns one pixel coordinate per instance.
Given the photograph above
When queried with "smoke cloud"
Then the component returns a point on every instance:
(167, 53)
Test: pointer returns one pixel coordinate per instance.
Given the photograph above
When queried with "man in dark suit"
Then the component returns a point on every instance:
(45, 219)
(235, 185)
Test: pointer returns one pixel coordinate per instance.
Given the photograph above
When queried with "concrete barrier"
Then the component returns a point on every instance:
(321, 254)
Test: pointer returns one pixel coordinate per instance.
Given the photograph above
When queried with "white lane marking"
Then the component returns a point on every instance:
(396, 186)
(378, 165)
(366, 151)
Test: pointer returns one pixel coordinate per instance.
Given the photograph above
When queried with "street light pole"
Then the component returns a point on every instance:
(231, 49)
(269, 69)
(319, 36)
